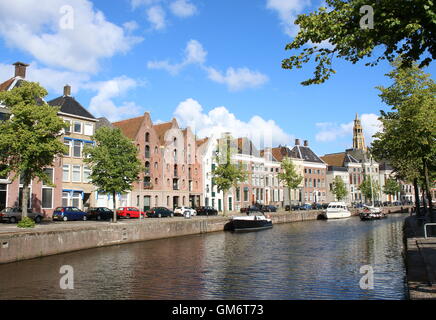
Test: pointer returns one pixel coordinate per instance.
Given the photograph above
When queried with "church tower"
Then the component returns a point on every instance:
(358, 137)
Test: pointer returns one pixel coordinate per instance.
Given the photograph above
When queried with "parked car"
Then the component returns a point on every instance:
(316, 206)
(206, 211)
(100, 213)
(182, 211)
(14, 215)
(251, 209)
(159, 212)
(306, 206)
(269, 208)
(69, 213)
(129, 212)
(396, 203)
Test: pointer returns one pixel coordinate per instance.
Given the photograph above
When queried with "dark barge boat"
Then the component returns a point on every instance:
(251, 222)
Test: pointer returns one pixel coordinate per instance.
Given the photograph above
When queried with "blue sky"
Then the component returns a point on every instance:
(215, 65)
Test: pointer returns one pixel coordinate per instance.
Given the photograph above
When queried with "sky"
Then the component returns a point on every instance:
(214, 65)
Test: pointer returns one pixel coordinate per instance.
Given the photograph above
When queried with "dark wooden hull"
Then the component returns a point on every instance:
(250, 225)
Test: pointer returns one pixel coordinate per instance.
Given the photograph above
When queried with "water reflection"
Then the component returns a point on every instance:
(307, 260)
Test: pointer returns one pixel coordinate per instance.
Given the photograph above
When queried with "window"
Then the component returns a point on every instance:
(76, 174)
(77, 127)
(246, 194)
(238, 194)
(68, 145)
(147, 151)
(86, 173)
(47, 198)
(66, 173)
(65, 199)
(75, 200)
(147, 168)
(68, 128)
(147, 137)
(77, 149)
(89, 129)
(49, 173)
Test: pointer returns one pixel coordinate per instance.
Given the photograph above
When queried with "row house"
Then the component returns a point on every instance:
(172, 174)
(262, 184)
(349, 169)
(314, 174)
(77, 190)
(280, 153)
(68, 174)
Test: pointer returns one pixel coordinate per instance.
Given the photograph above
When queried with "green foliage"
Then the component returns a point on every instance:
(367, 191)
(113, 161)
(401, 27)
(26, 222)
(339, 188)
(408, 138)
(289, 176)
(391, 187)
(29, 139)
(227, 174)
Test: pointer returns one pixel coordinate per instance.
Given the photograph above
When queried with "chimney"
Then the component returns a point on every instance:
(297, 142)
(306, 143)
(67, 90)
(20, 69)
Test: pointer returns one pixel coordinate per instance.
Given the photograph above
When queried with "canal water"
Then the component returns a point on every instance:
(303, 260)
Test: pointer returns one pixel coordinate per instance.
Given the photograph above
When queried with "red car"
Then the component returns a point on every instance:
(129, 212)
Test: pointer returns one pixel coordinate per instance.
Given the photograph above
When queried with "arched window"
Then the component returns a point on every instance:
(156, 181)
(147, 137)
(147, 151)
(147, 167)
(155, 165)
(156, 201)
(155, 150)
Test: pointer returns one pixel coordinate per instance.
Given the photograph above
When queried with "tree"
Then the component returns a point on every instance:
(113, 161)
(290, 178)
(408, 138)
(369, 187)
(29, 139)
(228, 173)
(391, 187)
(339, 189)
(400, 27)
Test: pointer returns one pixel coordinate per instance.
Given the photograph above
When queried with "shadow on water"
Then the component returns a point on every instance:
(304, 260)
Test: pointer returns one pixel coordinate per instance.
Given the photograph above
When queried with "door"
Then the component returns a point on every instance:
(219, 205)
(175, 202)
(2, 196)
(146, 203)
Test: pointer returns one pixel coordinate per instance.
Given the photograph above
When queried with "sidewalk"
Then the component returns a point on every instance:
(420, 259)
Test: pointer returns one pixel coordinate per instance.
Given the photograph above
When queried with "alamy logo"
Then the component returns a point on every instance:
(67, 280)
(367, 281)
(66, 21)
(367, 21)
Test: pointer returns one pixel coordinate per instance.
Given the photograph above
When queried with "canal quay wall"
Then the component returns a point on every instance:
(420, 259)
(54, 238)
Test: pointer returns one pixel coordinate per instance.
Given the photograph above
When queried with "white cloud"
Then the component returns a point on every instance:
(237, 79)
(194, 53)
(137, 3)
(287, 11)
(264, 133)
(332, 131)
(156, 16)
(103, 105)
(183, 8)
(130, 26)
(52, 80)
(45, 33)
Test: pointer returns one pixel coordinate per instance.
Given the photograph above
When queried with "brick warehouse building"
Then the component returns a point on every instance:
(172, 175)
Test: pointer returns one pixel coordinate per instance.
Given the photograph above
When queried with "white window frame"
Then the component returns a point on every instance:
(72, 173)
(81, 149)
(69, 147)
(69, 172)
(88, 129)
(74, 126)
(86, 169)
(52, 197)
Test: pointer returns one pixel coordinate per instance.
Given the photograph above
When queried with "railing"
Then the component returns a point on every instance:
(425, 228)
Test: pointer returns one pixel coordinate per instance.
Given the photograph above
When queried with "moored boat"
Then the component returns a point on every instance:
(371, 213)
(250, 222)
(337, 210)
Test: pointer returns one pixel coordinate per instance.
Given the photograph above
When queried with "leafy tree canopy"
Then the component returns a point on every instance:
(339, 188)
(402, 28)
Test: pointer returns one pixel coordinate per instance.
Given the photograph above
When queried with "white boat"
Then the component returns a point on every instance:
(337, 210)
(252, 221)
(371, 213)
